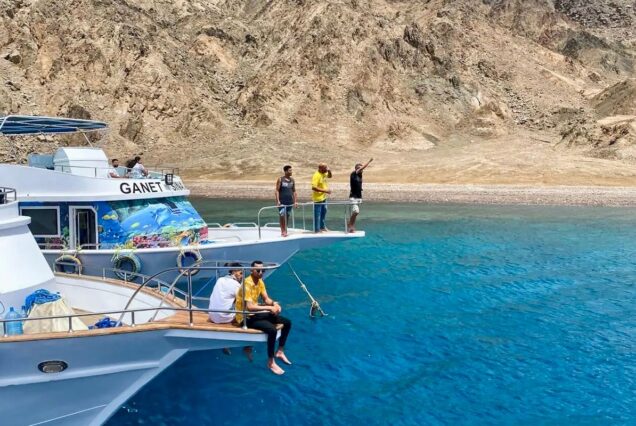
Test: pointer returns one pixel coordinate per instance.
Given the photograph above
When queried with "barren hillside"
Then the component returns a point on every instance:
(490, 91)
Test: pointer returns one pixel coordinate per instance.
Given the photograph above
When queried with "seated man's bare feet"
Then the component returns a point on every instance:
(227, 351)
(281, 355)
(249, 353)
(275, 368)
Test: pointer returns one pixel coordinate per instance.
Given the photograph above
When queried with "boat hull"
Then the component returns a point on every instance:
(103, 372)
(274, 249)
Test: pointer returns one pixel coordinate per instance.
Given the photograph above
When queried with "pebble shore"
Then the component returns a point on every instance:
(433, 193)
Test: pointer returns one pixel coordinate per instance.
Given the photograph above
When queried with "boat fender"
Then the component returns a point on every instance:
(128, 259)
(68, 261)
(194, 255)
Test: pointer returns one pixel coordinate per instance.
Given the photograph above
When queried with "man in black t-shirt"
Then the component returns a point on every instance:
(355, 193)
(286, 198)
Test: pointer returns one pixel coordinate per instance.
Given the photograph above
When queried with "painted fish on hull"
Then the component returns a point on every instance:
(132, 224)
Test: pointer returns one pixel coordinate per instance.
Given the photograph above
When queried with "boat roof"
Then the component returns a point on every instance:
(39, 125)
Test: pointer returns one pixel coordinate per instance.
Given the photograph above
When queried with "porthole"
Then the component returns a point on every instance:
(52, 366)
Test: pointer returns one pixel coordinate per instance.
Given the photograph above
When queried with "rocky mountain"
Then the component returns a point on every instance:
(237, 88)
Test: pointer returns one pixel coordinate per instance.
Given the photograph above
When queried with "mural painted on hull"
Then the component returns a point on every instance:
(153, 223)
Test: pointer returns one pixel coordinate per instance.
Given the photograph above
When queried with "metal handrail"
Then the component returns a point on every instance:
(241, 225)
(89, 246)
(172, 290)
(7, 195)
(52, 246)
(160, 284)
(123, 312)
(153, 173)
(228, 238)
(347, 213)
(182, 271)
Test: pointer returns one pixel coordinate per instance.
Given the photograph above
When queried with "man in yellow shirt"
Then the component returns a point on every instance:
(265, 321)
(320, 190)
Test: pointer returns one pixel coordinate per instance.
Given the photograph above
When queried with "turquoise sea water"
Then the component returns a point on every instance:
(442, 315)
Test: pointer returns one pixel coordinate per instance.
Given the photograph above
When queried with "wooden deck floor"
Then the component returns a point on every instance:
(180, 320)
(202, 322)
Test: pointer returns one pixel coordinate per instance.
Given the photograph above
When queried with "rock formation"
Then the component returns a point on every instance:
(226, 88)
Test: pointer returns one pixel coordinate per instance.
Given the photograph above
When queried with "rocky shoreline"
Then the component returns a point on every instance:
(434, 193)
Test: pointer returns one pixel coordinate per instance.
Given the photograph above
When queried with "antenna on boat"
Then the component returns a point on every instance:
(315, 306)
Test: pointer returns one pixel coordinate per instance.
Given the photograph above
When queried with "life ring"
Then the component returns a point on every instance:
(194, 255)
(130, 260)
(68, 260)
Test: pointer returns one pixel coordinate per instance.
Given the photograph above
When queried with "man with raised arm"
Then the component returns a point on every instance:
(257, 299)
(355, 193)
(286, 198)
(319, 193)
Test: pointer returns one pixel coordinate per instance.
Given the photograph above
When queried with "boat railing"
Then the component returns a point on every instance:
(52, 246)
(123, 312)
(225, 239)
(163, 288)
(188, 271)
(131, 278)
(306, 217)
(123, 172)
(7, 195)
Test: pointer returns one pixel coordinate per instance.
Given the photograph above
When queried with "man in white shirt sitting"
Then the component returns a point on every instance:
(112, 172)
(224, 294)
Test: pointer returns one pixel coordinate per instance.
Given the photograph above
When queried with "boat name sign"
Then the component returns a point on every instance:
(148, 187)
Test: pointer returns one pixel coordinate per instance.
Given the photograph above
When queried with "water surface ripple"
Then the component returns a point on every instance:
(442, 315)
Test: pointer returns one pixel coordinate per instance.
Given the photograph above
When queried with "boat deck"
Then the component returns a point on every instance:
(180, 320)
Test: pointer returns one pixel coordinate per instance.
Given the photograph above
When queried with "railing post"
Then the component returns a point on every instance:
(244, 310)
(132, 318)
(190, 297)
(346, 222)
(70, 324)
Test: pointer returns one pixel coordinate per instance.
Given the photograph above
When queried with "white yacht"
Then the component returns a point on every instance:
(85, 220)
(60, 371)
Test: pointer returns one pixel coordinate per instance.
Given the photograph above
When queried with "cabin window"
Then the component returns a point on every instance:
(45, 221)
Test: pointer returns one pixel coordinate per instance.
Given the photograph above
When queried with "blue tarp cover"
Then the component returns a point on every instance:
(34, 125)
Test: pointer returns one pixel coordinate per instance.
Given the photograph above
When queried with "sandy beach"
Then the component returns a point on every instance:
(433, 193)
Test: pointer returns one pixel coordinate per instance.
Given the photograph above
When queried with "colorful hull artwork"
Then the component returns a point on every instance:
(150, 223)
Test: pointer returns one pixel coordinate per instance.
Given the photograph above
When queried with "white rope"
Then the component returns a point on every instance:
(315, 306)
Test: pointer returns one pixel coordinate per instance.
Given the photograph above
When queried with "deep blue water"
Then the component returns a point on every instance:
(442, 315)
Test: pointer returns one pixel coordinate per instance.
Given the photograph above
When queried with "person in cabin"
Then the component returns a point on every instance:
(112, 172)
(138, 170)
(257, 299)
(320, 190)
(355, 193)
(286, 198)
